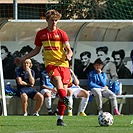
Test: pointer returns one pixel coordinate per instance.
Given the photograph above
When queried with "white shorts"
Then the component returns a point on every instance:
(43, 91)
(75, 90)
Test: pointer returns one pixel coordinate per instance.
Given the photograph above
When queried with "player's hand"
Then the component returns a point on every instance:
(68, 57)
(18, 61)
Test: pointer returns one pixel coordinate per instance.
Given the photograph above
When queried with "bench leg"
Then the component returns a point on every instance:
(121, 104)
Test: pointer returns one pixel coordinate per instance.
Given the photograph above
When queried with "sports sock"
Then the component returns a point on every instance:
(61, 108)
(116, 112)
(62, 93)
(48, 102)
(83, 104)
(71, 102)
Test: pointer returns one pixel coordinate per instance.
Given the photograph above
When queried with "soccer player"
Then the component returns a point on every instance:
(78, 92)
(57, 52)
(47, 90)
(97, 84)
(25, 78)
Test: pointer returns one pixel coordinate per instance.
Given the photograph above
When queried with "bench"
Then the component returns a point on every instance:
(82, 83)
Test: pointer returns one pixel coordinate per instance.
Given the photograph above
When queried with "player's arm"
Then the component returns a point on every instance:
(34, 52)
(69, 52)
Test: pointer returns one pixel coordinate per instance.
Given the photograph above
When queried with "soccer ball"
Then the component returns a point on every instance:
(105, 119)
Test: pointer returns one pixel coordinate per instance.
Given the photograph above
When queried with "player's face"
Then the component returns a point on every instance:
(52, 22)
(101, 55)
(117, 60)
(3, 54)
(85, 60)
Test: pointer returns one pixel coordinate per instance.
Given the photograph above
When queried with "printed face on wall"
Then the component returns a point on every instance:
(117, 60)
(3, 54)
(85, 60)
(101, 55)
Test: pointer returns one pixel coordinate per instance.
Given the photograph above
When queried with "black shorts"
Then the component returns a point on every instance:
(30, 91)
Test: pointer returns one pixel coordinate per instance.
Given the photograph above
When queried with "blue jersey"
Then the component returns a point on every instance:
(20, 72)
(45, 80)
(96, 80)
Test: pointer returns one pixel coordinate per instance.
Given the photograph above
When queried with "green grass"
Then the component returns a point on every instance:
(75, 124)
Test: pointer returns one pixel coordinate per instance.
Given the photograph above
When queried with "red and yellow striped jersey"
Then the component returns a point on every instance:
(53, 46)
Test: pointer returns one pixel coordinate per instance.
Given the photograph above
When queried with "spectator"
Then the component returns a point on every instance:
(97, 84)
(85, 66)
(122, 71)
(37, 67)
(131, 55)
(7, 63)
(78, 92)
(47, 90)
(25, 79)
(56, 52)
(108, 66)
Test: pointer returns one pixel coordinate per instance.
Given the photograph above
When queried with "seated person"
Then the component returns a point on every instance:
(78, 92)
(47, 90)
(25, 79)
(97, 85)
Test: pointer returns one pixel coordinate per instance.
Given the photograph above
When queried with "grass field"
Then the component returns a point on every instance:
(75, 124)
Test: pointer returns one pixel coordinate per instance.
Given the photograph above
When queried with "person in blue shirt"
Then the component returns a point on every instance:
(97, 84)
(48, 91)
(25, 79)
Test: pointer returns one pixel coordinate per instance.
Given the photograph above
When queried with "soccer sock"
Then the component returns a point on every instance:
(62, 93)
(61, 108)
(83, 104)
(71, 102)
(48, 102)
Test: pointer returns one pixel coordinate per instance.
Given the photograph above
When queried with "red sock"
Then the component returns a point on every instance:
(61, 108)
(62, 93)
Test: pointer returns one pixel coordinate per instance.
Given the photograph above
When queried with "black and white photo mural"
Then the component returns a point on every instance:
(115, 55)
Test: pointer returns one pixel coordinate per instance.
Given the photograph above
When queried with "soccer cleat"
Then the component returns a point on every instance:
(70, 114)
(67, 103)
(82, 114)
(36, 114)
(60, 123)
(25, 114)
(56, 113)
(100, 112)
(50, 113)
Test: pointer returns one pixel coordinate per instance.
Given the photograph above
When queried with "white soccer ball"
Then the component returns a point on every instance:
(105, 119)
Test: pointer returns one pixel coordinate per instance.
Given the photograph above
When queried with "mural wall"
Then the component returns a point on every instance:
(115, 55)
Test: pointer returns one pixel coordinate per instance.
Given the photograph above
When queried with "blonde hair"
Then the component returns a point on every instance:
(29, 61)
(53, 14)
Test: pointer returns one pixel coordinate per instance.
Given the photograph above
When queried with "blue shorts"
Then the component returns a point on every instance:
(31, 92)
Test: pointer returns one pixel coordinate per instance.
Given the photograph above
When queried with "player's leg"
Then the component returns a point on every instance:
(24, 102)
(98, 98)
(39, 101)
(110, 95)
(62, 95)
(70, 98)
(84, 101)
(47, 96)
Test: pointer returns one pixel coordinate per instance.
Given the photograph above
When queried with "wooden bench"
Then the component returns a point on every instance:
(82, 83)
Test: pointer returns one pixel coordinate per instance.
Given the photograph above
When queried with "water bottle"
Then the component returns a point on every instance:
(110, 85)
(8, 85)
